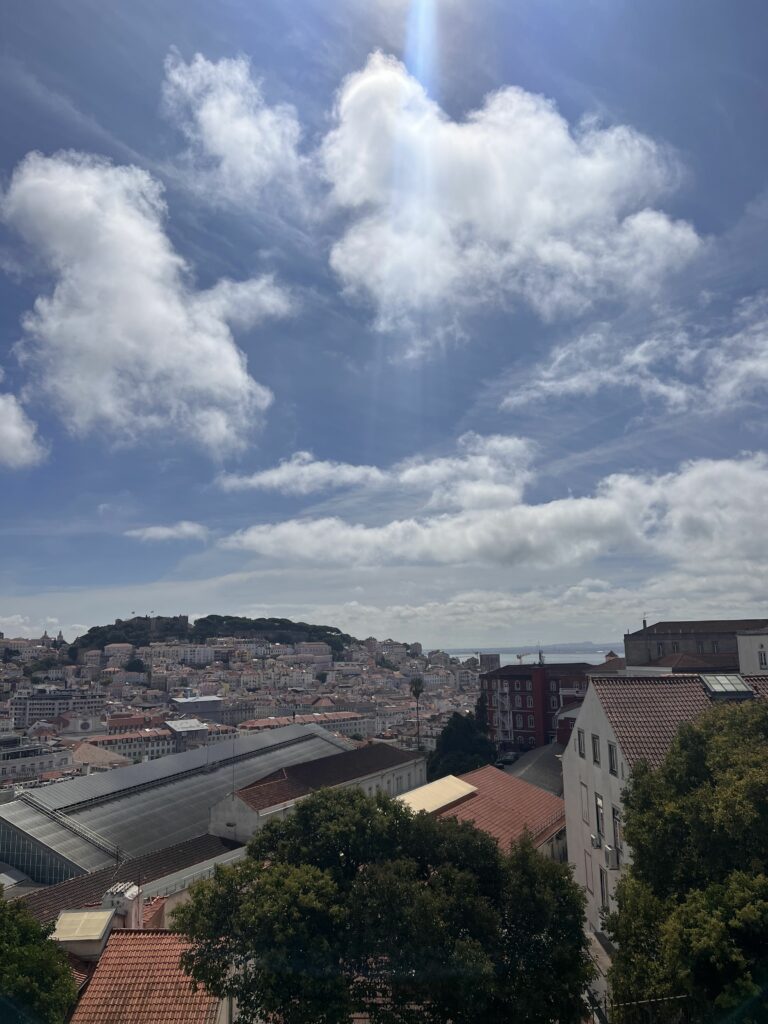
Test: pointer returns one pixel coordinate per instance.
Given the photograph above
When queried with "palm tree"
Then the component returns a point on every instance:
(417, 688)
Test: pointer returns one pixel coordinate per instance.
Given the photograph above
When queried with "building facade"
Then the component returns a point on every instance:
(715, 639)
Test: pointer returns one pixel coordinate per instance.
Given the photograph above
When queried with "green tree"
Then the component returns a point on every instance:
(34, 974)
(135, 665)
(481, 712)
(461, 747)
(417, 688)
(692, 911)
(356, 905)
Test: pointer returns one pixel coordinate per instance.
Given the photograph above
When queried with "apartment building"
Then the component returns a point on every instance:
(622, 721)
(524, 701)
(31, 707)
(713, 639)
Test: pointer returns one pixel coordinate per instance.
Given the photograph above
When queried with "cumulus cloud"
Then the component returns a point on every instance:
(19, 443)
(124, 343)
(238, 144)
(511, 203)
(486, 470)
(705, 506)
(183, 530)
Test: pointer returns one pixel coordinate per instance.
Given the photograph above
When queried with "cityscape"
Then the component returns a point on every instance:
(383, 476)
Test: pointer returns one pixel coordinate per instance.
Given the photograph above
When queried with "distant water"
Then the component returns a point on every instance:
(588, 657)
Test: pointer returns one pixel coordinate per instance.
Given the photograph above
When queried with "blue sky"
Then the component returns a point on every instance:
(430, 318)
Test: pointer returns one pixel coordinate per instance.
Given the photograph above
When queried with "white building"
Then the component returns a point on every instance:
(753, 652)
(622, 721)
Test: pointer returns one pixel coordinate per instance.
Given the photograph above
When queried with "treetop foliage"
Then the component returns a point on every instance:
(461, 747)
(355, 904)
(693, 909)
(35, 980)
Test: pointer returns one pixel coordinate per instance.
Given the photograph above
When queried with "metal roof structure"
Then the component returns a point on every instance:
(89, 823)
(435, 796)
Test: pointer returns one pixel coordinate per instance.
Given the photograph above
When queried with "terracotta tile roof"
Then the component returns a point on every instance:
(45, 904)
(646, 713)
(504, 806)
(333, 770)
(81, 970)
(139, 980)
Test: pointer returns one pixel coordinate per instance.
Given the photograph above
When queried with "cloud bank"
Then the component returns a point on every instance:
(19, 443)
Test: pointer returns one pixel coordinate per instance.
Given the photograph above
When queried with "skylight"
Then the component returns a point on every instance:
(730, 687)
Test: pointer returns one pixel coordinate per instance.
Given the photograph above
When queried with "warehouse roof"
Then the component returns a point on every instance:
(93, 821)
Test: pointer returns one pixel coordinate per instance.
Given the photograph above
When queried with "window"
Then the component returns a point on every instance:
(518, 701)
(531, 722)
(553, 685)
(659, 650)
(520, 741)
(715, 646)
(528, 684)
(588, 871)
(613, 760)
(553, 702)
(599, 815)
(519, 721)
(580, 741)
(762, 659)
(595, 749)
(554, 721)
(699, 646)
(531, 741)
(584, 803)
(517, 684)
(675, 647)
(529, 702)
(616, 816)
(603, 888)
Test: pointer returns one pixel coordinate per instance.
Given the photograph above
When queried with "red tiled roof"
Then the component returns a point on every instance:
(139, 980)
(646, 713)
(504, 806)
(81, 970)
(333, 770)
(45, 904)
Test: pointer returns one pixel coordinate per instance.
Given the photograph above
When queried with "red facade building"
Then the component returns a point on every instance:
(524, 700)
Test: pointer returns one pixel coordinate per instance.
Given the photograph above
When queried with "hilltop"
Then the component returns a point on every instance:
(144, 629)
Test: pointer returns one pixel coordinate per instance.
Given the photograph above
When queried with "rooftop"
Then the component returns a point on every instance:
(46, 904)
(139, 980)
(701, 626)
(647, 712)
(437, 796)
(505, 806)
(298, 780)
(82, 925)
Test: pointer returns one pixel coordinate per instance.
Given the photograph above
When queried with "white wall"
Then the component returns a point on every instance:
(751, 646)
(581, 771)
(232, 818)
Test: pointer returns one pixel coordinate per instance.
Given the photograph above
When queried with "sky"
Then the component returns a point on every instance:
(445, 320)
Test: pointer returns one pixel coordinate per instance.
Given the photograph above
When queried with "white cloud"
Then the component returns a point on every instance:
(183, 530)
(485, 471)
(238, 143)
(511, 203)
(706, 509)
(124, 344)
(19, 443)
(710, 364)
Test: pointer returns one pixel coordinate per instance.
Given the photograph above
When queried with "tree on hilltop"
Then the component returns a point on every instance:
(354, 904)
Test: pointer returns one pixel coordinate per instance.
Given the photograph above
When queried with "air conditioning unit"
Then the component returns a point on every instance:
(597, 841)
(612, 858)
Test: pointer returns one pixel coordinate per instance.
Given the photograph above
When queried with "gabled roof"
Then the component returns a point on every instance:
(298, 780)
(139, 980)
(505, 806)
(646, 713)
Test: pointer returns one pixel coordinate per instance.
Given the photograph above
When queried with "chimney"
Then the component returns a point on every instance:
(645, 624)
(125, 899)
